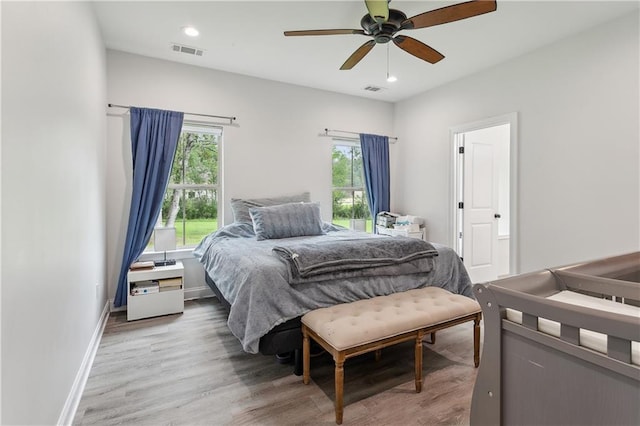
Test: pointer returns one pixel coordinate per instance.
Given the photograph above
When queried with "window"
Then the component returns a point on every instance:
(350, 207)
(191, 200)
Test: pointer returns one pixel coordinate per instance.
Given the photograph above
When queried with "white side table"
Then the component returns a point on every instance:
(169, 300)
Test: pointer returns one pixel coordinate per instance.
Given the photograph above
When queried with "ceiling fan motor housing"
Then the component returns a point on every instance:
(383, 32)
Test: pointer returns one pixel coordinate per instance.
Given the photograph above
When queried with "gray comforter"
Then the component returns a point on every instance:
(256, 282)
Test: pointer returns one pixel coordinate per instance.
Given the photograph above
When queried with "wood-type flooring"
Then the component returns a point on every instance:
(188, 369)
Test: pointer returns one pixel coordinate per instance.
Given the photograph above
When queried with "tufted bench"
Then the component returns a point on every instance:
(355, 328)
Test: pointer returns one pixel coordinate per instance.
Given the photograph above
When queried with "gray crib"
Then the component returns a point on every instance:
(530, 377)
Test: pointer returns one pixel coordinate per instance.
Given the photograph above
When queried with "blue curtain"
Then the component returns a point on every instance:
(154, 137)
(375, 158)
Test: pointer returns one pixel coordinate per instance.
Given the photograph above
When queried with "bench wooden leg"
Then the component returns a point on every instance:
(418, 361)
(476, 339)
(378, 355)
(339, 383)
(306, 356)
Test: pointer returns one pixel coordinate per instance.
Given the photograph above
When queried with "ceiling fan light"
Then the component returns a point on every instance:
(378, 9)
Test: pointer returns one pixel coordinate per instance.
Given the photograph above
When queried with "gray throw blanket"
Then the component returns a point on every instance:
(329, 260)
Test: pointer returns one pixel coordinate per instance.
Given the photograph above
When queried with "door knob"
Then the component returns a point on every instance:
(497, 215)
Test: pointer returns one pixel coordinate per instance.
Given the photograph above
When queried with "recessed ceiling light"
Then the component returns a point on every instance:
(190, 31)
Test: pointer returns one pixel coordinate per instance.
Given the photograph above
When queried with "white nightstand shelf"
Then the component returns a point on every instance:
(168, 300)
(420, 234)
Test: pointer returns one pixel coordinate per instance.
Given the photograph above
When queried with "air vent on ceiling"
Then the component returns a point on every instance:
(373, 88)
(186, 49)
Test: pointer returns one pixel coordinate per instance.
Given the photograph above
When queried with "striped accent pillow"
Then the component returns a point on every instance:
(286, 220)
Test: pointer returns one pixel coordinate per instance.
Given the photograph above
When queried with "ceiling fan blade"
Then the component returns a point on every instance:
(358, 55)
(451, 13)
(378, 9)
(322, 32)
(418, 49)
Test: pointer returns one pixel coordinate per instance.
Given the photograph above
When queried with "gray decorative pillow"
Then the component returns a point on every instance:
(240, 207)
(286, 220)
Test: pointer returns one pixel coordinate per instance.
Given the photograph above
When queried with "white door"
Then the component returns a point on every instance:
(484, 190)
(480, 206)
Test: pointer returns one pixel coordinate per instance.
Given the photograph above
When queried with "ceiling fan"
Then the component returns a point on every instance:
(382, 24)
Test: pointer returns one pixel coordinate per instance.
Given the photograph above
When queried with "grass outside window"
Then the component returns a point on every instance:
(197, 229)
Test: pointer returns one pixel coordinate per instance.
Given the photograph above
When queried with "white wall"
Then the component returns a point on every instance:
(53, 202)
(274, 150)
(579, 184)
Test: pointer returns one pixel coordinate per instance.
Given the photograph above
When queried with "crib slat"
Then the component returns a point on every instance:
(619, 349)
(530, 321)
(570, 334)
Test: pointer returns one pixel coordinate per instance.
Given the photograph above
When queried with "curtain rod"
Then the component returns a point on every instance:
(231, 119)
(392, 139)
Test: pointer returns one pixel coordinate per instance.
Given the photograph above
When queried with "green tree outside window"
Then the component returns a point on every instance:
(349, 197)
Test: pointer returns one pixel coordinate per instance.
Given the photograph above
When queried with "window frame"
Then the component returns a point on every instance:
(352, 189)
(191, 126)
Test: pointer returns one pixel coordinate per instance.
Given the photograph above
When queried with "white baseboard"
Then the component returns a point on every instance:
(73, 399)
(122, 308)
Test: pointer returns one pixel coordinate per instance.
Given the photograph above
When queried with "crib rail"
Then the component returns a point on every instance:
(517, 359)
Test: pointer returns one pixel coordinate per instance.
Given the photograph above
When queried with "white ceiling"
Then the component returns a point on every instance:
(246, 37)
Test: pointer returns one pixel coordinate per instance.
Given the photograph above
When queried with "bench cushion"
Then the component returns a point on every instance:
(357, 323)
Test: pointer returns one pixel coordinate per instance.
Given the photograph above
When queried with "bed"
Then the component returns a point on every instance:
(561, 346)
(253, 283)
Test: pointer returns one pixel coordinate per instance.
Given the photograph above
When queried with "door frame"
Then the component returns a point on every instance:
(456, 183)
